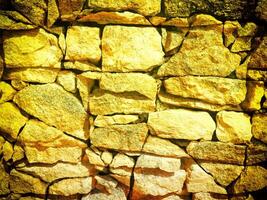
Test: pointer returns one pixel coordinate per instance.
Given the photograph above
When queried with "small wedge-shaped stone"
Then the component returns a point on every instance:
(129, 82)
(259, 126)
(54, 106)
(181, 124)
(43, 143)
(11, 119)
(259, 57)
(122, 165)
(202, 53)
(222, 173)
(120, 137)
(37, 75)
(217, 152)
(105, 121)
(102, 102)
(253, 178)
(7, 92)
(137, 49)
(162, 147)
(210, 89)
(33, 48)
(67, 80)
(52, 12)
(151, 7)
(83, 43)
(234, 127)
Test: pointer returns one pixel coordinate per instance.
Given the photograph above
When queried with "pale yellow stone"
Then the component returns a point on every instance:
(208, 196)
(177, 22)
(249, 29)
(202, 53)
(120, 137)
(157, 20)
(217, 152)
(105, 121)
(52, 12)
(137, 49)
(107, 157)
(24, 183)
(34, 48)
(181, 124)
(11, 119)
(81, 65)
(129, 82)
(257, 75)
(19, 85)
(72, 186)
(102, 102)
(7, 92)
(234, 127)
(162, 147)
(37, 75)
(151, 7)
(241, 44)
(7, 151)
(122, 165)
(224, 174)
(95, 159)
(209, 89)
(49, 102)
(203, 20)
(259, 126)
(83, 43)
(241, 71)
(18, 153)
(230, 32)
(105, 183)
(67, 80)
(255, 92)
(4, 181)
(200, 181)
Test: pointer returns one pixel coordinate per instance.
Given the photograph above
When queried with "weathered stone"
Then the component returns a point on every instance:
(81, 65)
(95, 159)
(67, 80)
(143, 7)
(261, 9)
(241, 44)
(129, 82)
(259, 57)
(52, 12)
(105, 121)
(107, 157)
(256, 153)
(7, 92)
(217, 151)
(233, 127)
(210, 89)
(193, 103)
(133, 51)
(49, 102)
(157, 20)
(4, 181)
(34, 10)
(177, 22)
(36, 75)
(122, 165)
(7, 151)
(253, 178)
(71, 186)
(120, 137)
(249, 29)
(11, 119)
(181, 124)
(257, 75)
(259, 126)
(43, 143)
(222, 173)
(202, 53)
(43, 51)
(104, 17)
(18, 153)
(18, 84)
(242, 197)
(1, 64)
(13, 20)
(208, 196)
(203, 20)
(255, 92)
(70, 10)
(162, 147)
(242, 70)
(200, 181)
(102, 102)
(230, 32)
(24, 183)
(83, 43)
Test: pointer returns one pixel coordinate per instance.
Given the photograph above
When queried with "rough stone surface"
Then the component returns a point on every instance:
(208, 196)
(120, 137)
(52, 12)
(181, 124)
(234, 127)
(67, 80)
(83, 43)
(7, 92)
(256, 153)
(69, 10)
(259, 57)
(217, 151)
(112, 103)
(105, 121)
(43, 51)
(210, 89)
(202, 53)
(261, 9)
(4, 178)
(259, 127)
(49, 102)
(129, 82)
(257, 75)
(143, 7)
(140, 53)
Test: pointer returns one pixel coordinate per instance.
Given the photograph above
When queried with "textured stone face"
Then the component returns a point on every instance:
(137, 49)
(259, 127)
(43, 51)
(7, 92)
(181, 124)
(69, 10)
(210, 89)
(105, 121)
(49, 102)
(143, 7)
(259, 57)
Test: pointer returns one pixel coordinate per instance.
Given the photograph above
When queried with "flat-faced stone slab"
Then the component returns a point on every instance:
(259, 126)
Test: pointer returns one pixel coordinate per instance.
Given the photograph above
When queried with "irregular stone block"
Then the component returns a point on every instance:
(52, 12)
(259, 126)
(7, 92)
(181, 124)
(230, 32)
(261, 9)
(69, 10)
(256, 153)
(122, 165)
(209, 196)
(257, 75)
(137, 49)
(67, 80)
(4, 178)
(105, 121)
(259, 56)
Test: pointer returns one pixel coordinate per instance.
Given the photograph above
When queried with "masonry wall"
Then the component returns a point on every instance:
(132, 99)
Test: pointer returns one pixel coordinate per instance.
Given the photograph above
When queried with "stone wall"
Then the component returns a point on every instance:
(133, 99)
